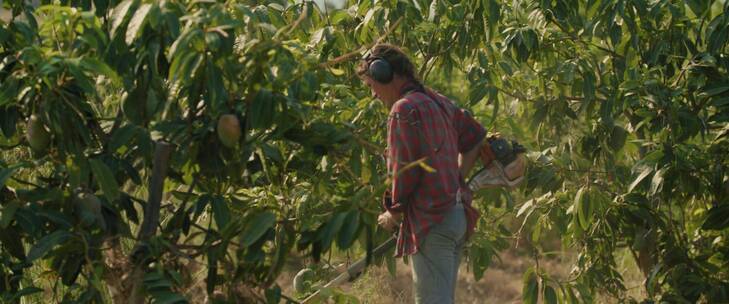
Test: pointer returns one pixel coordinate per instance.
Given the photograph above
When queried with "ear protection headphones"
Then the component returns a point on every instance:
(379, 69)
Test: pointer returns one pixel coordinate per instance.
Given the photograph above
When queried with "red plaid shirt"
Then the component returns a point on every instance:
(434, 129)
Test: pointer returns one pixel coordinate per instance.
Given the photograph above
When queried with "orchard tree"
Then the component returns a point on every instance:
(145, 142)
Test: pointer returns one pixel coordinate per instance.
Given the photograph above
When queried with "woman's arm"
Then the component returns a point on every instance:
(467, 160)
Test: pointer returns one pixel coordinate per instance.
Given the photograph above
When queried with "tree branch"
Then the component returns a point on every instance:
(356, 52)
(162, 153)
(156, 187)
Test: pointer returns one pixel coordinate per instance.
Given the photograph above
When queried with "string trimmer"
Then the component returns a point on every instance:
(354, 270)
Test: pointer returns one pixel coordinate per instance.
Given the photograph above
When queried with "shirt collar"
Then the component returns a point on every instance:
(410, 87)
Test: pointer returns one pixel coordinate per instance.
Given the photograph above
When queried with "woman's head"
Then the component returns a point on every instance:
(385, 70)
(399, 63)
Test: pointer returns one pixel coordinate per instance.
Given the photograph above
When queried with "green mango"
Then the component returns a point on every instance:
(38, 136)
(88, 207)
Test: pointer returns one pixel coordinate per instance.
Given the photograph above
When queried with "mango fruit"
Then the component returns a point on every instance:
(37, 134)
(229, 130)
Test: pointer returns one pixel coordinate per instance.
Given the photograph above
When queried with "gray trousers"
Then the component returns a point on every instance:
(435, 266)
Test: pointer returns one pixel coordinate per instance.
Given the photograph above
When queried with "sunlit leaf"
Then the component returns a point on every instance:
(119, 13)
(136, 22)
(643, 174)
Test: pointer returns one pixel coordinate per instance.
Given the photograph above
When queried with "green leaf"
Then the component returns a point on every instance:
(105, 178)
(47, 243)
(537, 233)
(348, 233)
(4, 35)
(26, 292)
(715, 91)
(12, 242)
(97, 67)
(588, 86)
(618, 135)
(481, 254)
(570, 296)
(121, 137)
(365, 171)
(698, 7)
(273, 294)
(39, 194)
(549, 295)
(257, 227)
(339, 16)
(181, 45)
(200, 205)
(493, 16)
(135, 24)
(720, 102)
(477, 93)
(6, 173)
(9, 117)
(221, 212)
(272, 153)
(530, 291)
(70, 268)
(717, 219)
(212, 277)
(584, 210)
(179, 66)
(262, 110)
(331, 229)
(7, 212)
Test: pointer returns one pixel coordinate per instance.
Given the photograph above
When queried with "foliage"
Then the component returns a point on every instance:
(626, 101)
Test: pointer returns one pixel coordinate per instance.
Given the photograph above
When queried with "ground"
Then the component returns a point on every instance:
(502, 282)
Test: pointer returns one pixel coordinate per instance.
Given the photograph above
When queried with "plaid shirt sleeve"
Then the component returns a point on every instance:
(403, 141)
(470, 132)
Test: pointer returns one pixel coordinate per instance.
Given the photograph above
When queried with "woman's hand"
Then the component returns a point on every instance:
(388, 220)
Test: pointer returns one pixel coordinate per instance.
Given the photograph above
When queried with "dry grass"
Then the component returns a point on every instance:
(502, 282)
(5, 15)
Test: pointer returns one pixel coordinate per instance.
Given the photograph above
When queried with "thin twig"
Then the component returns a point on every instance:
(304, 12)
(356, 52)
(576, 38)
(24, 182)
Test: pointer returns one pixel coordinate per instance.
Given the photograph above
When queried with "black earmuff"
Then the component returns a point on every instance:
(380, 70)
